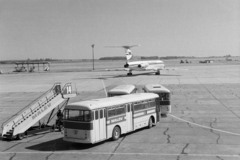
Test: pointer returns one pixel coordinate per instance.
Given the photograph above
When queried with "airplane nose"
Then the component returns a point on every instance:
(126, 65)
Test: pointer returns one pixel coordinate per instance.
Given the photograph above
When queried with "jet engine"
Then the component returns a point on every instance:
(126, 65)
(143, 65)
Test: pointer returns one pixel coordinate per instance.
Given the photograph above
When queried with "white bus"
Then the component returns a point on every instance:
(122, 90)
(164, 96)
(96, 120)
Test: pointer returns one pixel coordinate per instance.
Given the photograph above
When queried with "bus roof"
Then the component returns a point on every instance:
(110, 101)
(156, 88)
(122, 89)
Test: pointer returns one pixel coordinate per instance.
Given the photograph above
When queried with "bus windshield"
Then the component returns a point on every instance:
(78, 115)
(164, 96)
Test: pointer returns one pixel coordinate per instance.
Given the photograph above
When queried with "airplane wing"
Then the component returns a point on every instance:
(117, 69)
(168, 69)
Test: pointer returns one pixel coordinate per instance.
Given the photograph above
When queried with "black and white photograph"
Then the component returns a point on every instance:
(119, 79)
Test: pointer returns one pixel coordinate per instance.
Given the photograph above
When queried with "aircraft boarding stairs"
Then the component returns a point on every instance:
(35, 111)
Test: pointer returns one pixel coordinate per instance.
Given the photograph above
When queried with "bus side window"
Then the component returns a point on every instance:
(136, 107)
(104, 113)
(92, 115)
(120, 110)
(153, 104)
(96, 115)
(87, 116)
(139, 107)
(81, 116)
(101, 114)
(146, 105)
(111, 112)
(128, 107)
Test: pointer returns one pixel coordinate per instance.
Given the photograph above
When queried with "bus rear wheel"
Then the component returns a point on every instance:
(116, 133)
(150, 123)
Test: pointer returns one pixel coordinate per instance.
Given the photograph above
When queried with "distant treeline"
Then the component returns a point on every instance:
(103, 58)
(45, 60)
(176, 57)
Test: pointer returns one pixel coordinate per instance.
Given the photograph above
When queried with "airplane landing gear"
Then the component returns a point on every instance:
(129, 74)
(157, 73)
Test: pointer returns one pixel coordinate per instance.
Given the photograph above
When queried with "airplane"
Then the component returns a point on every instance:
(152, 65)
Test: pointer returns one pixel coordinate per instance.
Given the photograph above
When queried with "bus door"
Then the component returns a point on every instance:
(99, 125)
(129, 116)
(102, 124)
(96, 126)
(158, 109)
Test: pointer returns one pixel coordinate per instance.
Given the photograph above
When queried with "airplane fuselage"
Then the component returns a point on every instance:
(154, 65)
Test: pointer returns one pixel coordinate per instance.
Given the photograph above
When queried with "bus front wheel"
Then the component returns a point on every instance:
(116, 133)
(150, 123)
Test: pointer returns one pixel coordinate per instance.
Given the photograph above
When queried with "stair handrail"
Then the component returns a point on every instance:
(18, 113)
(53, 95)
(16, 123)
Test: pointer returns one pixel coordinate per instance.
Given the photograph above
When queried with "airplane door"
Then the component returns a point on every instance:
(129, 116)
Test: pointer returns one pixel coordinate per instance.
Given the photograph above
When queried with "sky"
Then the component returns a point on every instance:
(66, 29)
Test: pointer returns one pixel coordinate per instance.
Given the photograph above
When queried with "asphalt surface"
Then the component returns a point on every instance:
(204, 123)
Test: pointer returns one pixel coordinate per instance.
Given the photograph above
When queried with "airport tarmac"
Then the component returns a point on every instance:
(204, 123)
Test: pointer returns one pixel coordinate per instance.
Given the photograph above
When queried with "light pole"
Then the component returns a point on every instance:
(93, 54)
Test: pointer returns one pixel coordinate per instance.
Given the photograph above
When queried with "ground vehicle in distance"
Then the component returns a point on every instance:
(164, 96)
(96, 120)
(122, 90)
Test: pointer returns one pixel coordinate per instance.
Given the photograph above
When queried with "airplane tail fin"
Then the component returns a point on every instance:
(128, 54)
(128, 51)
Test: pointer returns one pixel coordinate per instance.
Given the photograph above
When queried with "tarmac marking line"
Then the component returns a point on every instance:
(104, 85)
(219, 130)
(121, 79)
(119, 153)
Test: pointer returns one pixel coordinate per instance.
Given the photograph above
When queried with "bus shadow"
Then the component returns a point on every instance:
(60, 145)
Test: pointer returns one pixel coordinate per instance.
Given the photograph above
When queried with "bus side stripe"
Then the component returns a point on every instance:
(74, 125)
(116, 120)
(143, 115)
